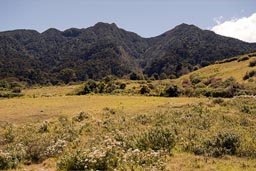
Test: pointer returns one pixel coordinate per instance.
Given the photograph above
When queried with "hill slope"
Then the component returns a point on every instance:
(228, 78)
(80, 54)
(236, 69)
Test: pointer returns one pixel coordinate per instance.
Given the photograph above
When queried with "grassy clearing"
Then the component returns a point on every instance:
(128, 133)
(32, 109)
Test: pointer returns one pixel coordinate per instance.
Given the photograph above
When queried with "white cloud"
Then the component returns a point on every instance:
(218, 20)
(243, 28)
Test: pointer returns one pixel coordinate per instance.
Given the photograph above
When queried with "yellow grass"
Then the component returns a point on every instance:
(225, 70)
(49, 91)
(32, 109)
(189, 162)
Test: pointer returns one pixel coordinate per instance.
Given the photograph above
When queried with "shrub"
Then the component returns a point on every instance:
(89, 87)
(136, 76)
(7, 161)
(156, 139)
(16, 90)
(144, 89)
(172, 91)
(122, 86)
(252, 55)
(226, 60)
(252, 63)
(243, 58)
(143, 119)
(8, 135)
(80, 117)
(195, 79)
(218, 101)
(249, 75)
(223, 143)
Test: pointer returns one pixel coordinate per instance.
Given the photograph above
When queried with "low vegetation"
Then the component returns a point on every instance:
(109, 140)
(9, 89)
(114, 124)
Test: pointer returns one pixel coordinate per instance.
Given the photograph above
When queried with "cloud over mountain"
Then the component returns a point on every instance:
(243, 28)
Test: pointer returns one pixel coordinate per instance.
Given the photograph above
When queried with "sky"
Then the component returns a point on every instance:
(148, 18)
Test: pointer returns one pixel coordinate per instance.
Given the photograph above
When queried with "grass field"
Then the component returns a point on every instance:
(195, 121)
(33, 109)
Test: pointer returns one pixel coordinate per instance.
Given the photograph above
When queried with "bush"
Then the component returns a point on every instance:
(249, 75)
(136, 76)
(89, 87)
(16, 90)
(195, 79)
(80, 117)
(227, 60)
(252, 63)
(7, 161)
(243, 58)
(218, 101)
(156, 139)
(222, 144)
(122, 86)
(172, 91)
(144, 89)
(252, 55)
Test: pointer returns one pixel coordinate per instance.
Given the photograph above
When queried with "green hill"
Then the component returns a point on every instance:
(54, 56)
(232, 76)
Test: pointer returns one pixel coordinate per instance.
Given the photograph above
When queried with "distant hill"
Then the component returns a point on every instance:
(232, 67)
(79, 54)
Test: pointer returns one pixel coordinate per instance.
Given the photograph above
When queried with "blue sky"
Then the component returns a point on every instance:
(145, 17)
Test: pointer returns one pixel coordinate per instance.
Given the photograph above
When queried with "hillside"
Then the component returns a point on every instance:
(236, 69)
(55, 56)
(227, 78)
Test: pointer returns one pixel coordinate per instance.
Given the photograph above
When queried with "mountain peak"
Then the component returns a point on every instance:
(186, 26)
(102, 24)
(51, 31)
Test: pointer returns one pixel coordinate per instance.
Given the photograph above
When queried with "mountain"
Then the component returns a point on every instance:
(104, 49)
(185, 46)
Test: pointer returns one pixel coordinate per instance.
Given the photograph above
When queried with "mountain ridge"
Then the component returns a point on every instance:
(105, 49)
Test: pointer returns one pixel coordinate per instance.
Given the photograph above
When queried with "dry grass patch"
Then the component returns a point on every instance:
(33, 109)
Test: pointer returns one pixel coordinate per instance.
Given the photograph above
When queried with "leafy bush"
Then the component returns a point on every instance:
(80, 117)
(252, 63)
(252, 55)
(249, 75)
(195, 79)
(7, 161)
(243, 58)
(107, 85)
(110, 155)
(172, 91)
(144, 89)
(223, 143)
(156, 139)
(122, 86)
(227, 60)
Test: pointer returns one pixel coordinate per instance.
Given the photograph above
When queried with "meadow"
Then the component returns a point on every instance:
(125, 132)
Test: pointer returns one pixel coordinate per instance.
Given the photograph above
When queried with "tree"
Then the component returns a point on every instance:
(172, 91)
(67, 75)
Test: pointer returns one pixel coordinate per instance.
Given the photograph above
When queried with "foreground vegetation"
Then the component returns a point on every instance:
(210, 134)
